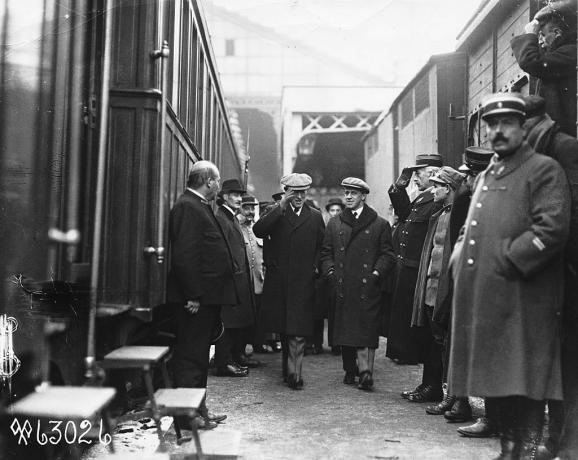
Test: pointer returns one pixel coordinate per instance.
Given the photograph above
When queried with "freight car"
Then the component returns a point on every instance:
(104, 105)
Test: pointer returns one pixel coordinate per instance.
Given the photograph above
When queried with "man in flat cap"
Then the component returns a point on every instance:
(357, 257)
(230, 358)
(433, 288)
(508, 283)
(544, 136)
(547, 51)
(296, 233)
(404, 343)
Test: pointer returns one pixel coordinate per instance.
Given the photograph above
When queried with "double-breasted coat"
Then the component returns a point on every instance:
(202, 267)
(556, 69)
(404, 342)
(292, 265)
(352, 250)
(242, 313)
(508, 290)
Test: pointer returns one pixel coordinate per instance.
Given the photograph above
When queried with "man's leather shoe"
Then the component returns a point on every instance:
(204, 424)
(483, 428)
(246, 361)
(365, 381)
(460, 412)
(349, 378)
(426, 394)
(294, 383)
(231, 370)
(217, 418)
(441, 408)
(406, 393)
(185, 423)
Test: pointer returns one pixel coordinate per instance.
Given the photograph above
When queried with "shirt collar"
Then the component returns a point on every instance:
(357, 212)
(229, 209)
(295, 210)
(203, 199)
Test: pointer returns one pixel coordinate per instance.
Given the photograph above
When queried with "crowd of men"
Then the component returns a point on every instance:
(476, 279)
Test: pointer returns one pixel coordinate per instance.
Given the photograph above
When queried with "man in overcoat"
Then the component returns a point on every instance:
(547, 50)
(508, 282)
(230, 358)
(295, 233)
(357, 257)
(201, 277)
(544, 136)
(404, 343)
(431, 291)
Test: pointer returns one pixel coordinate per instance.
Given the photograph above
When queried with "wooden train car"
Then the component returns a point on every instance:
(420, 120)
(104, 106)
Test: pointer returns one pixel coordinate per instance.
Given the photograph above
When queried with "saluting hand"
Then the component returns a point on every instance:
(532, 27)
(286, 199)
(192, 306)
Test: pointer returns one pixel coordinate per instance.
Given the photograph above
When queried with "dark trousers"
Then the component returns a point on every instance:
(258, 331)
(318, 329)
(192, 344)
(357, 359)
(433, 370)
(231, 346)
(293, 350)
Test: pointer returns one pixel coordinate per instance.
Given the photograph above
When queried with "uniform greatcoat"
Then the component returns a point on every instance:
(354, 248)
(508, 274)
(241, 314)
(292, 265)
(404, 342)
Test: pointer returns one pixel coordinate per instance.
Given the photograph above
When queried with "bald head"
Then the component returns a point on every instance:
(204, 178)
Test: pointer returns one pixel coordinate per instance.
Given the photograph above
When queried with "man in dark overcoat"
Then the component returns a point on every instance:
(230, 358)
(357, 257)
(404, 343)
(506, 346)
(544, 136)
(295, 234)
(201, 277)
(547, 50)
(432, 286)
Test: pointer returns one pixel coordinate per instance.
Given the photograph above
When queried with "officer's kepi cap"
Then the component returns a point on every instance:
(355, 183)
(427, 159)
(296, 181)
(476, 159)
(503, 104)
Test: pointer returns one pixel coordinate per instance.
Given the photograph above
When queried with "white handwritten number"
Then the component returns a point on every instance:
(84, 424)
(53, 440)
(23, 431)
(41, 437)
(106, 439)
(67, 430)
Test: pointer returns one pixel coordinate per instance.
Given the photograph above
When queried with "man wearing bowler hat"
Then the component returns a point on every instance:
(407, 344)
(357, 257)
(508, 282)
(296, 233)
(230, 358)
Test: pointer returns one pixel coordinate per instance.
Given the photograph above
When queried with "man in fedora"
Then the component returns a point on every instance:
(200, 279)
(238, 318)
(357, 257)
(296, 233)
(406, 344)
(508, 282)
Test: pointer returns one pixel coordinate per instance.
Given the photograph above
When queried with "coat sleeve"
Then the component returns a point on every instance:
(550, 213)
(320, 232)
(327, 260)
(400, 202)
(386, 260)
(557, 63)
(186, 231)
(266, 224)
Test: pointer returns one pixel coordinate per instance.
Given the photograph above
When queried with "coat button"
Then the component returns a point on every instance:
(340, 264)
(485, 188)
(472, 242)
(364, 265)
(478, 205)
(470, 261)
(340, 280)
(367, 231)
(474, 223)
(364, 281)
(363, 297)
(342, 248)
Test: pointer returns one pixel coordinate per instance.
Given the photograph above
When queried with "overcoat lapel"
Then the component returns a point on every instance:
(367, 216)
(303, 217)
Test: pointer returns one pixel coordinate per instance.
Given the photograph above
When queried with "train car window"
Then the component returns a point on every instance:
(422, 95)
(406, 109)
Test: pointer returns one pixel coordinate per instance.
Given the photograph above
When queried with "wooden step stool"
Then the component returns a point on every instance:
(66, 404)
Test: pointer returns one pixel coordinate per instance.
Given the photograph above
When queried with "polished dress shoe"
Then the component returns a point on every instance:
(441, 408)
(428, 393)
(483, 428)
(201, 423)
(405, 394)
(460, 411)
(365, 381)
(217, 418)
(230, 370)
(294, 383)
(204, 424)
(349, 378)
(247, 361)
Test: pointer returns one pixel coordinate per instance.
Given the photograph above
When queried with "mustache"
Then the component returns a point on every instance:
(500, 137)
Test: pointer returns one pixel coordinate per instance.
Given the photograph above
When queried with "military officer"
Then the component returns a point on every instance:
(295, 233)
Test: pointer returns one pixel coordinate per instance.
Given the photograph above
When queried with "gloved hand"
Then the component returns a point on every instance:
(404, 178)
